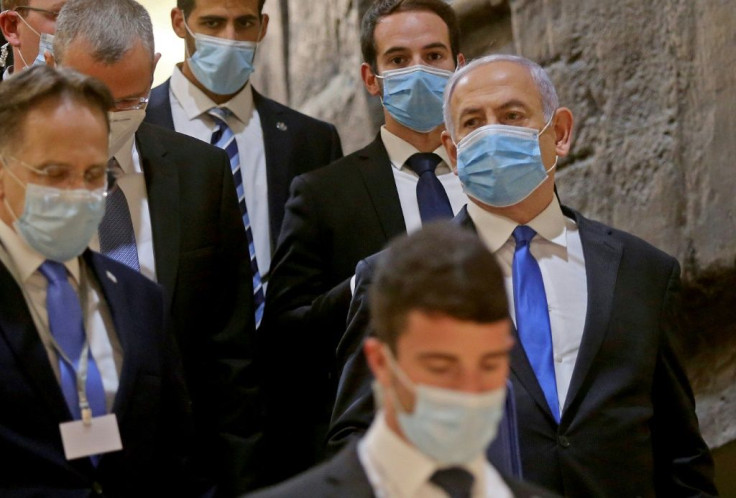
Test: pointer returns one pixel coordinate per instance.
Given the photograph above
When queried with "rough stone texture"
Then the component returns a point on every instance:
(652, 86)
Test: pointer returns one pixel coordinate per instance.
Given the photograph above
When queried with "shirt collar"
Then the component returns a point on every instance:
(404, 466)
(495, 229)
(25, 258)
(195, 102)
(399, 150)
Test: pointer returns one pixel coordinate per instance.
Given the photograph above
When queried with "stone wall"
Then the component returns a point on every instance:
(652, 86)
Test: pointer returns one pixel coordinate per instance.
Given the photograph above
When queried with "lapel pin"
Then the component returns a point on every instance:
(282, 126)
(111, 277)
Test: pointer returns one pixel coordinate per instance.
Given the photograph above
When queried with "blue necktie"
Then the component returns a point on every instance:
(67, 328)
(431, 195)
(117, 238)
(532, 316)
(224, 138)
(455, 481)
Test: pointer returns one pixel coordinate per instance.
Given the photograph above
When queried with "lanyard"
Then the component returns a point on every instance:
(81, 374)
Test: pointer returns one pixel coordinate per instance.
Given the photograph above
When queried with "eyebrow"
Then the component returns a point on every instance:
(393, 50)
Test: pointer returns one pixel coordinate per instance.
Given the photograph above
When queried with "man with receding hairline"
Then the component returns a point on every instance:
(93, 398)
(183, 230)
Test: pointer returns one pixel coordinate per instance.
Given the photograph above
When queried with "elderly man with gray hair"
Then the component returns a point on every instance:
(173, 215)
(604, 406)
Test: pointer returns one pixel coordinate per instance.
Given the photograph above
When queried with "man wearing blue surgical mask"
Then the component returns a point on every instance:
(440, 358)
(28, 27)
(342, 213)
(209, 96)
(604, 407)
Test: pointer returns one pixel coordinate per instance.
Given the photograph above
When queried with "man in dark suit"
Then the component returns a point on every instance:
(613, 414)
(274, 143)
(187, 231)
(82, 338)
(440, 358)
(350, 209)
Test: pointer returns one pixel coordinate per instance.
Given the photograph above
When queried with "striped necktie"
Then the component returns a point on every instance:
(224, 138)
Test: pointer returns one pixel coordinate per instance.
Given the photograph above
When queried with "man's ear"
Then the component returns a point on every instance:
(48, 57)
(451, 149)
(375, 356)
(177, 22)
(9, 26)
(563, 131)
(370, 80)
(460, 61)
(264, 26)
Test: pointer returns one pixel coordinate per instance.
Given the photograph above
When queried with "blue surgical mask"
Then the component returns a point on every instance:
(45, 43)
(58, 223)
(501, 165)
(452, 427)
(413, 96)
(222, 66)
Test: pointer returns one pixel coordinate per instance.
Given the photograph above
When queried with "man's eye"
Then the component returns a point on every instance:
(470, 123)
(55, 172)
(397, 60)
(211, 24)
(434, 56)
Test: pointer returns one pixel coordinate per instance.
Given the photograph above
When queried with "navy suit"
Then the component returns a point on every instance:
(628, 427)
(294, 144)
(151, 404)
(344, 476)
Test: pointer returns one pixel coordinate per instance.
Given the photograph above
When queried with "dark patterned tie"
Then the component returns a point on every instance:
(532, 316)
(431, 195)
(456, 481)
(117, 238)
(224, 138)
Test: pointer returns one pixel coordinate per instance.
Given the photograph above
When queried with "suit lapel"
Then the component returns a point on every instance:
(277, 147)
(375, 168)
(19, 332)
(159, 107)
(120, 312)
(345, 473)
(602, 258)
(162, 184)
(520, 366)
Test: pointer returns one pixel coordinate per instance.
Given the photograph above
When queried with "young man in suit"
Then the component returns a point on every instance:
(212, 88)
(82, 337)
(604, 406)
(28, 26)
(440, 358)
(183, 230)
(342, 213)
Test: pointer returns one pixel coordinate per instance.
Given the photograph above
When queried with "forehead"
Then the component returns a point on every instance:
(441, 334)
(411, 29)
(224, 7)
(496, 84)
(47, 4)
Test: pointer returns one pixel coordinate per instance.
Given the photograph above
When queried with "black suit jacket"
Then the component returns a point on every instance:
(202, 263)
(294, 144)
(335, 216)
(344, 476)
(151, 405)
(628, 427)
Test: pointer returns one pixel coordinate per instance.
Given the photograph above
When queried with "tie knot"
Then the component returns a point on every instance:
(53, 271)
(456, 481)
(523, 234)
(220, 114)
(423, 162)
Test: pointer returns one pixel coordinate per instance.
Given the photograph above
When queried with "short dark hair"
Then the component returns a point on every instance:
(442, 269)
(187, 6)
(27, 89)
(383, 8)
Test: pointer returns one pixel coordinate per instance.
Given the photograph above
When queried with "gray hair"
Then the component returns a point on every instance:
(544, 85)
(112, 27)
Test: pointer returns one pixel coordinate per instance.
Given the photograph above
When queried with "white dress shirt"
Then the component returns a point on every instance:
(559, 253)
(406, 180)
(133, 184)
(397, 469)
(23, 263)
(189, 106)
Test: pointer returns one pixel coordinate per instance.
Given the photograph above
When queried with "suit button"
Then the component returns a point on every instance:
(563, 441)
(97, 488)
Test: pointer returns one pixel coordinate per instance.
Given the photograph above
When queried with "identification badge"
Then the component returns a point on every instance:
(100, 435)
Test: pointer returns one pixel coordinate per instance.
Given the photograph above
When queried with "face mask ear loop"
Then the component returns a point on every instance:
(20, 52)
(400, 376)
